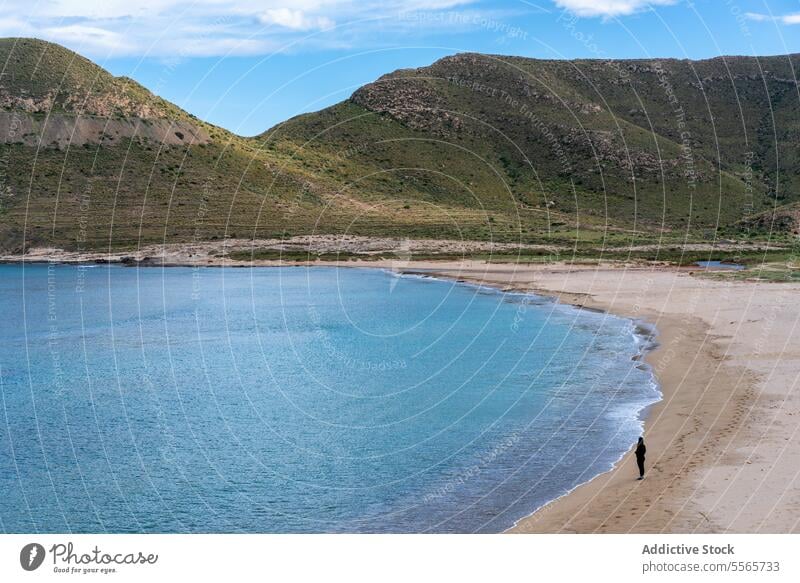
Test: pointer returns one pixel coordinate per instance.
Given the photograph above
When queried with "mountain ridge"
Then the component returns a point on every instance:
(484, 147)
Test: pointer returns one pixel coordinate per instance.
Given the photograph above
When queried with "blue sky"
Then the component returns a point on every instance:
(249, 64)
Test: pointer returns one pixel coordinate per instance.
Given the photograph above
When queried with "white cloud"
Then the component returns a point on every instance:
(90, 38)
(608, 8)
(95, 10)
(793, 18)
(212, 47)
(756, 17)
(14, 27)
(295, 19)
(185, 28)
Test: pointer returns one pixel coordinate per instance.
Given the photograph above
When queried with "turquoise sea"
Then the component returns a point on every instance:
(300, 400)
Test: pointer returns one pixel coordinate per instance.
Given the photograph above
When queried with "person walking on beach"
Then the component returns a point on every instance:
(640, 451)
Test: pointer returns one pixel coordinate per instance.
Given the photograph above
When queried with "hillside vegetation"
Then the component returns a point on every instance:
(600, 153)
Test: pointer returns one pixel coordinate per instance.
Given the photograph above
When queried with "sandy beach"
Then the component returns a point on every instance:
(724, 442)
(723, 450)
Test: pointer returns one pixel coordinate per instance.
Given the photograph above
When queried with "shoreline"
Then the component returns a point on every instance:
(722, 444)
(711, 465)
(642, 415)
(643, 330)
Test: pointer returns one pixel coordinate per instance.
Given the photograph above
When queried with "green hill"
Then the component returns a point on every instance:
(473, 146)
(652, 144)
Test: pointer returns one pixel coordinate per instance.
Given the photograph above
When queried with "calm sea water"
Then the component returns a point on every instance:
(299, 399)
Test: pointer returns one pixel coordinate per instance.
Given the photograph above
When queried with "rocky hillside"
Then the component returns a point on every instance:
(89, 160)
(653, 143)
(52, 96)
(783, 219)
(472, 147)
